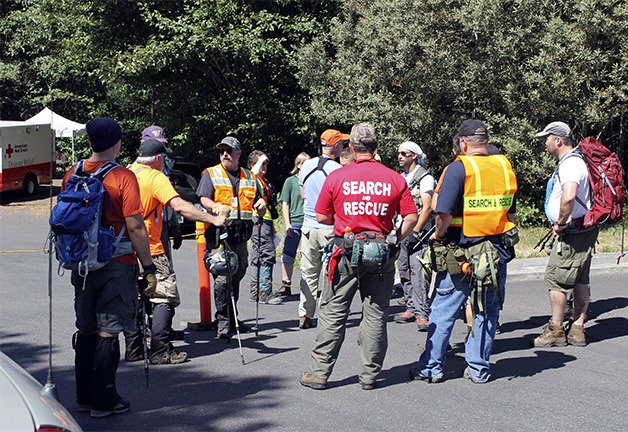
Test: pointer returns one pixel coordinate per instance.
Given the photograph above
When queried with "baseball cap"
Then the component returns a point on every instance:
(331, 136)
(231, 142)
(360, 131)
(154, 132)
(103, 133)
(472, 127)
(556, 128)
(152, 147)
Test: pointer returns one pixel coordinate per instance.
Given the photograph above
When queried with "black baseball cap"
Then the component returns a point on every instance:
(153, 147)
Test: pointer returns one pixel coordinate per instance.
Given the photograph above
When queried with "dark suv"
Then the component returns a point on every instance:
(185, 176)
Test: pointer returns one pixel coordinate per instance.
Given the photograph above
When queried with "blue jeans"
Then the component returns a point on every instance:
(265, 276)
(451, 293)
(291, 244)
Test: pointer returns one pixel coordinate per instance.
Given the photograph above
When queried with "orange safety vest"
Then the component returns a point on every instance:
(242, 208)
(489, 189)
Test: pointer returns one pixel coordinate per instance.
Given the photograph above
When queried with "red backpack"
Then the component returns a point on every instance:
(607, 184)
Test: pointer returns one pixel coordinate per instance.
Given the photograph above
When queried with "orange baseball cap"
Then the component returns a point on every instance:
(331, 136)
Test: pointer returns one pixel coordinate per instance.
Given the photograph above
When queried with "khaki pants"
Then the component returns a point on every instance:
(312, 241)
(375, 286)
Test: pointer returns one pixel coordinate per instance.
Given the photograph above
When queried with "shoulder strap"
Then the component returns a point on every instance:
(105, 169)
(418, 176)
(321, 163)
(575, 152)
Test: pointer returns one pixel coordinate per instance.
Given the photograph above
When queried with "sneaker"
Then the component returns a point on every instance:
(171, 357)
(121, 407)
(552, 336)
(367, 386)
(305, 322)
(407, 316)
(285, 289)
(423, 324)
(467, 375)
(576, 336)
(270, 299)
(83, 408)
(415, 375)
(310, 380)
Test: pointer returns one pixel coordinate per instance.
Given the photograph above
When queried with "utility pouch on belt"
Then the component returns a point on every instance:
(447, 257)
(484, 260)
(511, 237)
(369, 249)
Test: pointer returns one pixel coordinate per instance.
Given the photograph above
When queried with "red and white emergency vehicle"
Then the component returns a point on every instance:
(26, 155)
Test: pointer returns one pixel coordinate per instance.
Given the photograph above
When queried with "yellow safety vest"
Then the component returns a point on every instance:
(489, 189)
(242, 208)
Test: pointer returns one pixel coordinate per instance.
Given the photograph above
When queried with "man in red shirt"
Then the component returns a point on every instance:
(105, 299)
(360, 200)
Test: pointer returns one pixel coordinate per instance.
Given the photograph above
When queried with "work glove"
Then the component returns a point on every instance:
(177, 238)
(221, 209)
(147, 282)
(413, 241)
(260, 207)
(436, 241)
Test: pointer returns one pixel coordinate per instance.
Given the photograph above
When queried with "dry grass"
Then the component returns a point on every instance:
(609, 240)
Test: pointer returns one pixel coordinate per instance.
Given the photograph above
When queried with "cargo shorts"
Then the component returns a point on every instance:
(571, 266)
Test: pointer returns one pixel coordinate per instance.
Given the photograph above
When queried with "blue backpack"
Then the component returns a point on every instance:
(81, 242)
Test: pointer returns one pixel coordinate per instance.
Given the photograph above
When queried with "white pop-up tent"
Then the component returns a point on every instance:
(63, 127)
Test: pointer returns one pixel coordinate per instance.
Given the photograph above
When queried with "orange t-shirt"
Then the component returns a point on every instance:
(155, 192)
(123, 199)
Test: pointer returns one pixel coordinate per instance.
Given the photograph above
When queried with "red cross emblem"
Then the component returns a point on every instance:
(9, 151)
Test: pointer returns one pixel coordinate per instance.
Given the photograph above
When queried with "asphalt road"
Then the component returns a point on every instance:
(532, 389)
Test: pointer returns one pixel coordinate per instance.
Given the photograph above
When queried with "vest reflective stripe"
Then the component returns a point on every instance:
(223, 192)
(489, 190)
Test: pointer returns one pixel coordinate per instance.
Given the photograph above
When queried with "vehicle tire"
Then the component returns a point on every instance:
(30, 185)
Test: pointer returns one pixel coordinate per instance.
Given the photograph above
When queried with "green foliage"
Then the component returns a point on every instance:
(277, 73)
(417, 69)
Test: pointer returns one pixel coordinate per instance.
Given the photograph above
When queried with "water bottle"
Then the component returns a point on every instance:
(391, 238)
(348, 238)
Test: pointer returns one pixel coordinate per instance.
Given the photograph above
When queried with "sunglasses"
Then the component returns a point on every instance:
(406, 154)
(229, 150)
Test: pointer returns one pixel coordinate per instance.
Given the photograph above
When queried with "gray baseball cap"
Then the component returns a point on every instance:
(231, 142)
(556, 128)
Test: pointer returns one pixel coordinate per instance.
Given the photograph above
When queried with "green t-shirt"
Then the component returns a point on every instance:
(291, 193)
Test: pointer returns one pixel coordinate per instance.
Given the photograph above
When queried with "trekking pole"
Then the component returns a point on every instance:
(259, 273)
(422, 240)
(541, 243)
(144, 335)
(225, 246)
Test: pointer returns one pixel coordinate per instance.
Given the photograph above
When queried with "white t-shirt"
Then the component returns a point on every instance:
(426, 186)
(572, 169)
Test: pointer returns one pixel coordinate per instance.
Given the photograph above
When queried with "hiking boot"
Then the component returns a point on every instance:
(270, 299)
(171, 357)
(552, 336)
(415, 375)
(177, 335)
(423, 324)
(576, 336)
(121, 407)
(253, 293)
(407, 316)
(285, 289)
(305, 322)
(244, 328)
(310, 380)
